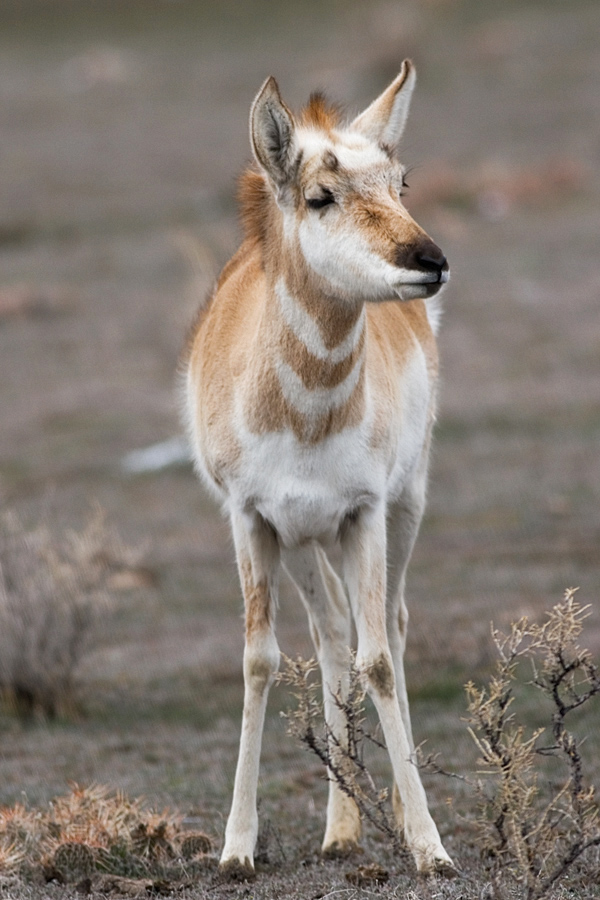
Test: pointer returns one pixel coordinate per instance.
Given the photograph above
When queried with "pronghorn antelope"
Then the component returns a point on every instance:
(311, 390)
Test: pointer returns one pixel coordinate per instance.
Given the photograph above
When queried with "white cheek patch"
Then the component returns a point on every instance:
(306, 329)
(346, 261)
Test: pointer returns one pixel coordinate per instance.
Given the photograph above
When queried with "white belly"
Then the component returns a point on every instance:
(306, 493)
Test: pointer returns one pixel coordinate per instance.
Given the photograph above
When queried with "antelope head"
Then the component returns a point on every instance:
(339, 188)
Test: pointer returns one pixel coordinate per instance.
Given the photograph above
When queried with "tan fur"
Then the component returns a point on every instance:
(334, 320)
(258, 604)
(320, 113)
(270, 412)
(316, 372)
(256, 205)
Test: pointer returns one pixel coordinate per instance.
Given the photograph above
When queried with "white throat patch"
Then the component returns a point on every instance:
(306, 329)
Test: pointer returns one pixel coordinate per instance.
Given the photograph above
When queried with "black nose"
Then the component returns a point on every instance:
(431, 263)
(428, 256)
(424, 255)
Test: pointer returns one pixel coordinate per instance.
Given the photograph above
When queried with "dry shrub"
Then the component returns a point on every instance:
(535, 815)
(54, 590)
(343, 756)
(93, 831)
(524, 832)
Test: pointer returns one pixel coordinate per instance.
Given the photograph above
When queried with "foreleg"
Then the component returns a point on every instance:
(403, 521)
(364, 558)
(257, 554)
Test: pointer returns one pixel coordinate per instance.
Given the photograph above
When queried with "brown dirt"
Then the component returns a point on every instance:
(123, 126)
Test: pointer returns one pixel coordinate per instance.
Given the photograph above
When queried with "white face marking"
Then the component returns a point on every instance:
(347, 262)
(304, 327)
(353, 150)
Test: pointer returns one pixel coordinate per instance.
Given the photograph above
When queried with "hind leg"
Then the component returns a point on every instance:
(329, 615)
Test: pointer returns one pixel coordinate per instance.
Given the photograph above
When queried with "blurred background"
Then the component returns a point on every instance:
(123, 126)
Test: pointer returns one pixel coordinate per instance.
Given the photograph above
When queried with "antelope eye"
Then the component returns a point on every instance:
(320, 202)
(403, 185)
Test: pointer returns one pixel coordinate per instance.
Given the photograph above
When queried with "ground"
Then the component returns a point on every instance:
(123, 128)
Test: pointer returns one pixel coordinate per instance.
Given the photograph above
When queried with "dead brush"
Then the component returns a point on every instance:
(343, 758)
(94, 831)
(54, 592)
(535, 816)
(523, 832)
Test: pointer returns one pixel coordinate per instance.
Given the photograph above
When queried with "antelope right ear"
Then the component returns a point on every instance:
(272, 131)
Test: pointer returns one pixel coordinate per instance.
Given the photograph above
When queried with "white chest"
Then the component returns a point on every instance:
(307, 491)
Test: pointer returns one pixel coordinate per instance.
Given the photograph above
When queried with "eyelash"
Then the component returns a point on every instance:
(321, 202)
(327, 199)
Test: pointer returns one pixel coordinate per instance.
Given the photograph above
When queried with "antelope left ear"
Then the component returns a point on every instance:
(384, 120)
(272, 132)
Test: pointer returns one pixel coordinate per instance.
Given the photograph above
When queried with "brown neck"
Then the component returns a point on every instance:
(310, 353)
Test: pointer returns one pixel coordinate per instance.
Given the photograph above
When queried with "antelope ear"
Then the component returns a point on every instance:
(272, 131)
(384, 120)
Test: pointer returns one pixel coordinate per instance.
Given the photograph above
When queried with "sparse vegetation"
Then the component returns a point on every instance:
(528, 832)
(532, 833)
(54, 590)
(95, 832)
(530, 817)
(344, 759)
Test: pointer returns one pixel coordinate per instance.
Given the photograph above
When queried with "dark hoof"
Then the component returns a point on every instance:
(447, 870)
(440, 868)
(341, 850)
(236, 870)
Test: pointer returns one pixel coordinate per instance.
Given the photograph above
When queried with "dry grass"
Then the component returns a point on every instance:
(54, 590)
(528, 822)
(93, 831)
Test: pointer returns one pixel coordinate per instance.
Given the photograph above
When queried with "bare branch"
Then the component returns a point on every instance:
(343, 757)
(535, 841)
